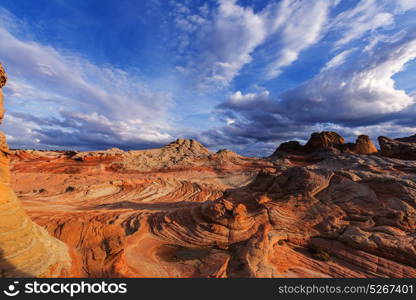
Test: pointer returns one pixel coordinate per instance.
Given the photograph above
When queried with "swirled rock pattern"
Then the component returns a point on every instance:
(183, 211)
(105, 203)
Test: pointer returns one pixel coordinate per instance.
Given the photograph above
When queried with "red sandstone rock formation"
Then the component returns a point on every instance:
(327, 141)
(327, 210)
(183, 211)
(364, 145)
(100, 202)
(26, 249)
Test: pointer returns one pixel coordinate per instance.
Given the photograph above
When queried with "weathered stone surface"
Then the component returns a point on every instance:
(3, 76)
(183, 211)
(325, 140)
(364, 145)
(410, 139)
(293, 147)
(329, 142)
(104, 202)
(342, 215)
(26, 249)
(403, 148)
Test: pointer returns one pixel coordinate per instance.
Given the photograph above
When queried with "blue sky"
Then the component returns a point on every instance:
(244, 75)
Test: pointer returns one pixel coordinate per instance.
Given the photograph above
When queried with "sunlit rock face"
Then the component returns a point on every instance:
(106, 204)
(332, 210)
(26, 249)
(326, 209)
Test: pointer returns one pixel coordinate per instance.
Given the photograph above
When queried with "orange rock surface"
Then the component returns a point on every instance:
(183, 211)
(326, 209)
(26, 249)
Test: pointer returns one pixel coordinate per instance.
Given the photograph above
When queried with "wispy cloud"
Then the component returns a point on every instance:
(337, 60)
(227, 41)
(367, 17)
(85, 97)
(231, 33)
(324, 64)
(359, 93)
(299, 25)
(359, 98)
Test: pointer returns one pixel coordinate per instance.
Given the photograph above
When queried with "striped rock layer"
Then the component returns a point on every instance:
(26, 249)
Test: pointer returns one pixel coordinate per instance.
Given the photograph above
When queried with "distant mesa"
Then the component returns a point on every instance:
(327, 141)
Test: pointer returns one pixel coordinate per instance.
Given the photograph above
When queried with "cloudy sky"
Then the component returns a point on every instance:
(244, 75)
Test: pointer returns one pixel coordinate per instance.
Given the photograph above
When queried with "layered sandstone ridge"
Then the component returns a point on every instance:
(323, 209)
(26, 249)
(326, 209)
(100, 203)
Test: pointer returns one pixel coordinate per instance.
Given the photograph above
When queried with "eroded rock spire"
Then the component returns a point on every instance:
(26, 249)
